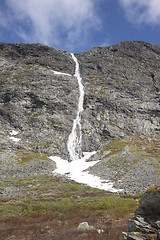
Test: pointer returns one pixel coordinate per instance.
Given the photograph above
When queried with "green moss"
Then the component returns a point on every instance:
(102, 79)
(29, 67)
(153, 189)
(19, 75)
(10, 210)
(114, 205)
(115, 146)
(136, 147)
(100, 92)
(34, 116)
(56, 196)
(129, 151)
(27, 157)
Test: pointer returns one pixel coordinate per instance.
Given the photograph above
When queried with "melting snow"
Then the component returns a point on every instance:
(15, 139)
(75, 171)
(14, 133)
(56, 72)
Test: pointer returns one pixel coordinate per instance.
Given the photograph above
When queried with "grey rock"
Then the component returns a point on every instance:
(39, 104)
(13, 169)
(122, 91)
(84, 226)
(147, 217)
(149, 206)
(138, 224)
(136, 236)
(157, 224)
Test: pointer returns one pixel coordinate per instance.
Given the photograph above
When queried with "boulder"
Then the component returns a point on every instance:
(84, 226)
(146, 222)
(137, 236)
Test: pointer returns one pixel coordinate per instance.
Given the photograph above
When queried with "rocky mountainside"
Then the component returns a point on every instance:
(122, 85)
(121, 108)
(35, 101)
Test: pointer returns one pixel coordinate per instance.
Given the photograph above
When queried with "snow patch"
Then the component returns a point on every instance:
(75, 170)
(13, 132)
(61, 73)
(15, 139)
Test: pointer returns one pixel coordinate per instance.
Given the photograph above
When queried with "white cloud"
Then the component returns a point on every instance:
(54, 22)
(142, 11)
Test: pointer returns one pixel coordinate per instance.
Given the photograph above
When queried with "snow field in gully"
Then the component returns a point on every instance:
(74, 168)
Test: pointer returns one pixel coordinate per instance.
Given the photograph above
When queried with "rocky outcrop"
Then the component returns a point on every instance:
(122, 85)
(146, 222)
(35, 101)
(121, 106)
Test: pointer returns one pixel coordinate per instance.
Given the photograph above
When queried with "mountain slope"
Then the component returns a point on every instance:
(122, 85)
(121, 107)
(34, 100)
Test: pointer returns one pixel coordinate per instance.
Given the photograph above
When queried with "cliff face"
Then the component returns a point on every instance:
(35, 101)
(121, 106)
(122, 85)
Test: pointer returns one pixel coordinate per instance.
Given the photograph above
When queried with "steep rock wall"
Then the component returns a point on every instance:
(37, 102)
(122, 85)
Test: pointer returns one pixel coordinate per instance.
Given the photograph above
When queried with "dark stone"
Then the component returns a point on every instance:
(149, 206)
(147, 216)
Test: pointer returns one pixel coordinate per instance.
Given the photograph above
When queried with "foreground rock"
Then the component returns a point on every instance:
(84, 227)
(146, 222)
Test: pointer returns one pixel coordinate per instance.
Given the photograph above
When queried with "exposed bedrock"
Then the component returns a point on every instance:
(121, 106)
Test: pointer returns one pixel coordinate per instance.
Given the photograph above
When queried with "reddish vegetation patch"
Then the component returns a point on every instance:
(45, 227)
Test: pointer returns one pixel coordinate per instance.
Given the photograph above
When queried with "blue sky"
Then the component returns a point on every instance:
(78, 25)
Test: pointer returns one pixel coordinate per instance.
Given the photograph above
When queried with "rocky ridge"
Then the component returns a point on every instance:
(121, 108)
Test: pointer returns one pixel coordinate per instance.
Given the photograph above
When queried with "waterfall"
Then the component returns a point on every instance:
(74, 168)
(74, 143)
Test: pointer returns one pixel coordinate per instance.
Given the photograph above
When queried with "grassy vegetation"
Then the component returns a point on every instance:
(59, 197)
(105, 80)
(18, 75)
(50, 195)
(83, 206)
(24, 157)
(34, 116)
(48, 207)
(136, 149)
